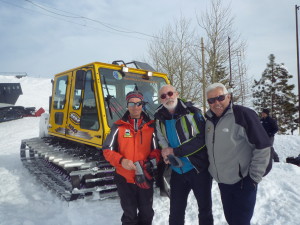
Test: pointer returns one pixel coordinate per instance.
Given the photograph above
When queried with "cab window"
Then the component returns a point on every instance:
(116, 85)
(77, 99)
(60, 92)
(89, 114)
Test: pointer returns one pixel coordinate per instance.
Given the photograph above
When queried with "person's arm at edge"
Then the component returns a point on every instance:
(262, 147)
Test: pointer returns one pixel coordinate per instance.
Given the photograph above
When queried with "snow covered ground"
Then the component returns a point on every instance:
(23, 201)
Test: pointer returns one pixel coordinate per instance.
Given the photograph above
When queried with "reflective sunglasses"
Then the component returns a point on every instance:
(132, 104)
(170, 93)
(220, 98)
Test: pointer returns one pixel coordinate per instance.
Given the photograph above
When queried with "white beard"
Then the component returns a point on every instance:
(172, 104)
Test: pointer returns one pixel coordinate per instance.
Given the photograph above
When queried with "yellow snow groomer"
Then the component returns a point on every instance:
(85, 102)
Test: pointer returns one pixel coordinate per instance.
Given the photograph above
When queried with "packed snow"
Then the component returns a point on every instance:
(24, 201)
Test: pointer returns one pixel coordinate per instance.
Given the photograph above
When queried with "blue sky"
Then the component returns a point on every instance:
(41, 43)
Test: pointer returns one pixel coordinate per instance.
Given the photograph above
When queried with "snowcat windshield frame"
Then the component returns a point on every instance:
(116, 84)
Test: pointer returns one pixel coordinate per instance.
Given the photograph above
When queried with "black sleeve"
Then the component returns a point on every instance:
(274, 126)
(256, 133)
(111, 142)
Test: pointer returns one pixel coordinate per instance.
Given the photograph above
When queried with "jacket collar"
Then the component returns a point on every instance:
(210, 115)
(125, 118)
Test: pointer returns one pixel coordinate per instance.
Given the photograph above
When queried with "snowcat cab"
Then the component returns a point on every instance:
(87, 100)
(84, 104)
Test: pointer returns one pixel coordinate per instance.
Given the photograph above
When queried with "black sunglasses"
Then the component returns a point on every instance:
(170, 93)
(220, 98)
(132, 104)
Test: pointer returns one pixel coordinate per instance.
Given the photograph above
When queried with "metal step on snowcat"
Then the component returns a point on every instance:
(69, 170)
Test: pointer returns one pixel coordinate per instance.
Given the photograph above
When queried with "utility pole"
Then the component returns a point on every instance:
(298, 69)
(203, 78)
(242, 89)
(230, 77)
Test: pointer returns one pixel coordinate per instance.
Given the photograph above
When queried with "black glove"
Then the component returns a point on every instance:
(142, 177)
(151, 167)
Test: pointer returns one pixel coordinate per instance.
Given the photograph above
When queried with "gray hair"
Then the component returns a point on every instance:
(215, 86)
(168, 85)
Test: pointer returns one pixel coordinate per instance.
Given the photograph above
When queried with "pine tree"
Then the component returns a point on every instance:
(273, 92)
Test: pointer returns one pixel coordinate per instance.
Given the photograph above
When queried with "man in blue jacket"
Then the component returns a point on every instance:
(271, 128)
(239, 152)
(180, 131)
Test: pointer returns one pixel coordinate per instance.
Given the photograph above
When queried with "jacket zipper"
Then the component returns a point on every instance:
(214, 148)
(178, 138)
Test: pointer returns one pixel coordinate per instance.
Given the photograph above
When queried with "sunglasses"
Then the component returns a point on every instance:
(132, 104)
(220, 98)
(170, 93)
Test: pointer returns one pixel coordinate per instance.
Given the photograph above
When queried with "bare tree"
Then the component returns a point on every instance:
(177, 52)
(243, 94)
(170, 52)
(217, 23)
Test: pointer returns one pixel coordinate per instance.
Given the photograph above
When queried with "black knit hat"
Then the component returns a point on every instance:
(266, 111)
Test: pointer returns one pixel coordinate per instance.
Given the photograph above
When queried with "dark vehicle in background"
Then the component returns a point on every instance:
(9, 94)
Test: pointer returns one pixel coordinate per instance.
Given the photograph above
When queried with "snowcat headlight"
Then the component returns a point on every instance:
(125, 69)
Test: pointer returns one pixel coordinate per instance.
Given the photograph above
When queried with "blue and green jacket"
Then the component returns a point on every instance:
(190, 129)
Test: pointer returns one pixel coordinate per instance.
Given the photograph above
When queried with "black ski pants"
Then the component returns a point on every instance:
(239, 201)
(181, 185)
(135, 202)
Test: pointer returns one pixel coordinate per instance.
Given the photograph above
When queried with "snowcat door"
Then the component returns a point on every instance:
(59, 105)
(84, 122)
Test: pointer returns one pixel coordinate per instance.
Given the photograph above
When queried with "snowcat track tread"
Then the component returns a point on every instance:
(70, 173)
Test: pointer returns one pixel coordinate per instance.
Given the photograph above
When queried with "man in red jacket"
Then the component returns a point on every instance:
(131, 148)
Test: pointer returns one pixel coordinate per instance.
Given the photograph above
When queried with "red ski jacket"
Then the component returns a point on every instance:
(135, 144)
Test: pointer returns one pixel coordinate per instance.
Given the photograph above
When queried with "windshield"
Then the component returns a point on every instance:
(115, 87)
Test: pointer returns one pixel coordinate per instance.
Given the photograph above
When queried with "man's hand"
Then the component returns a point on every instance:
(165, 152)
(128, 164)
